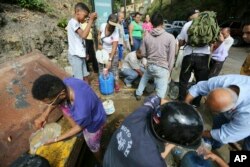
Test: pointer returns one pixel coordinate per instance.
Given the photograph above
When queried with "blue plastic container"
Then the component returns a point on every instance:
(106, 83)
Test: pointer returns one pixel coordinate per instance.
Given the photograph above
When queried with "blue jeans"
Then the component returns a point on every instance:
(129, 74)
(136, 43)
(160, 76)
(218, 121)
(79, 66)
(192, 159)
(120, 52)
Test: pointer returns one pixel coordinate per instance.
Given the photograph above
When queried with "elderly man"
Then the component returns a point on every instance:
(228, 97)
(228, 40)
(245, 69)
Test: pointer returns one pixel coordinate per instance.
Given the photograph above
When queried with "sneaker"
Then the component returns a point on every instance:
(138, 98)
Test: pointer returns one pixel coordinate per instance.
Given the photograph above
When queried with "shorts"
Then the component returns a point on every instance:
(93, 140)
(79, 66)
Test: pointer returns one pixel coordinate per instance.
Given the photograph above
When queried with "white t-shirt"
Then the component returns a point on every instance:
(108, 41)
(189, 49)
(74, 40)
(132, 62)
(228, 42)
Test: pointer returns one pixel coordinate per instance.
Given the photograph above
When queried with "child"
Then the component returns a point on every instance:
(77, 48)
(79, 104)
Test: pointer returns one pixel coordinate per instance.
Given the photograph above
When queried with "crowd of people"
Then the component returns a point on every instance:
(149, 134)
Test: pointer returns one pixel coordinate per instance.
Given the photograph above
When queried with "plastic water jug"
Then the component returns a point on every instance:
(106, 83)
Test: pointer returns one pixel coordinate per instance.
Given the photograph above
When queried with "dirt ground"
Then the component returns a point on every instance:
(126, 103)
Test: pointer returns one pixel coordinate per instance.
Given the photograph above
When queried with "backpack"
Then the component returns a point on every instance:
(204, 30)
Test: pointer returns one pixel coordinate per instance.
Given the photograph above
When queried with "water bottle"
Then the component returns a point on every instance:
(106, 82)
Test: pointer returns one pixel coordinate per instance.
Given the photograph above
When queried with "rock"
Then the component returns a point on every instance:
(3, 21)
(65, 6)
(68, 69)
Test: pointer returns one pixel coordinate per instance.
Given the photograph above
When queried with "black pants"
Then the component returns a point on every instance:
(215, 68)
(197, 63)
(92, 57)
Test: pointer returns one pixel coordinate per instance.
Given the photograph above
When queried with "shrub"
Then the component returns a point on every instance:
(39, 5)
(63, 22)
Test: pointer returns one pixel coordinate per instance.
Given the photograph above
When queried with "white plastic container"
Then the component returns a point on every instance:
(109, 107)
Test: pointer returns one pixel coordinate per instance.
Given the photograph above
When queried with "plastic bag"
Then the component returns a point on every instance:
(41, 136)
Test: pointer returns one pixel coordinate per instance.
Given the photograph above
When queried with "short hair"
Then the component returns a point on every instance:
(82, 6)
(120, 13)
(228, 29)
(137, 13)
(47, 86)
(156, 19)
(246, 23)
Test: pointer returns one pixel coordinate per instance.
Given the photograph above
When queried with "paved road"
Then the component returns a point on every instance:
(236, 58)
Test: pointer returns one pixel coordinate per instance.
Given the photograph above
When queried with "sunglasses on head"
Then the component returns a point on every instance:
(56, 101)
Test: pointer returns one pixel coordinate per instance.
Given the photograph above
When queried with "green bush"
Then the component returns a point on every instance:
(63, 22)
(39, 5)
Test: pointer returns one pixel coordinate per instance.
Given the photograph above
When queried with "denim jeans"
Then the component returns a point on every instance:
(160, 76)
(192, 159)
(120, 52)
(136, 43)
(79, 66)
(218, 121)
(197, 63)
(129, 74)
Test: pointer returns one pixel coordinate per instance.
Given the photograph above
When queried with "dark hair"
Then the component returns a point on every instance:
(246, 23)
(156, 19)
(47, 86)
(82, 6)
(137, 13)
(113, 18)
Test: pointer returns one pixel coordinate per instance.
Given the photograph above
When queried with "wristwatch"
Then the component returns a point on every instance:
(110, 59)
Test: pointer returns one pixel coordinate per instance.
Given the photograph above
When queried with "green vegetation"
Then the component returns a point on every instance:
(178, 9)
(39, 5)
(62, 23)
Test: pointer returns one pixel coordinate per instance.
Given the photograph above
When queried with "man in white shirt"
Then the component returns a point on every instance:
(228, 40)
(133, 67)
(195, 60)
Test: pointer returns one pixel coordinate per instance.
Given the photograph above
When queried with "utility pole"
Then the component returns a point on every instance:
(125, 4)
(160, 5)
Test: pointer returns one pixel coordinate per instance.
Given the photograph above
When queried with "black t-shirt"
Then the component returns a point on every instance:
(133, 144)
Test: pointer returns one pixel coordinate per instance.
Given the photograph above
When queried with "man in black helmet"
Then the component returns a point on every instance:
(147, 135)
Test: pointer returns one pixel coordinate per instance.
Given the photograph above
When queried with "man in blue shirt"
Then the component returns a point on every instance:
(229, 97)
